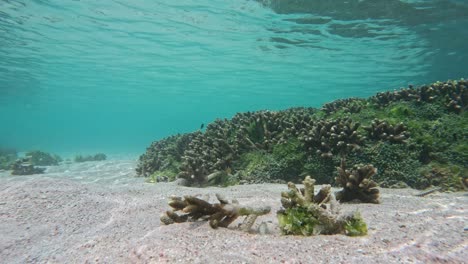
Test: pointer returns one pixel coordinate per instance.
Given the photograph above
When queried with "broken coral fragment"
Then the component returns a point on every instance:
(306, 213)
(219, 214)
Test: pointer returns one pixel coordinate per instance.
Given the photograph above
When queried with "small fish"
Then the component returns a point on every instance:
(202, 126)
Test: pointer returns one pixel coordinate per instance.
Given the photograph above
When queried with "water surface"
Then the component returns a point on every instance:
(113, 75)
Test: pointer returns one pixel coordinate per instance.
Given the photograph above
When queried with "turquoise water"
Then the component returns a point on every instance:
(112, 76)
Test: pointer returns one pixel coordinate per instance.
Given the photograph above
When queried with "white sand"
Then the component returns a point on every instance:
(98, 212)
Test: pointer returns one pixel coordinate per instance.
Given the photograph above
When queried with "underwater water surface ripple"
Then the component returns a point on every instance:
(115, 75)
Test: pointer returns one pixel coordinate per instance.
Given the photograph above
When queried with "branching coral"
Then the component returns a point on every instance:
(259, 130)
(225, 141)
(332, 137)
(357, 184)
(219, 214)
(306, 213)
(452, 94)
(382, 130)
(164, 155)
(208, 153)
(349, 105)
(456, 96)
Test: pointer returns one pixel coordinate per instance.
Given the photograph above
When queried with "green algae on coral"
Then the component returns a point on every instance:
(355, 225)
(306, 213)
(297, 221)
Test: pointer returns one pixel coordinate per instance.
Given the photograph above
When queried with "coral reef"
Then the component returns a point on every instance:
(220, 214)
(357, 184)
(24, 166)
(395, 162)
(401, 132)
(447, 178)
(382, 130)
(7, 157)
(164, 155)
(322, 169)
(306, 213)
(284, 163)
(40, 158)
(27, 165)
(96, 157)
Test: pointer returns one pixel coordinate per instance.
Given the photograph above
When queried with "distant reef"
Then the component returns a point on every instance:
(415, 136)
(95, 157)
(7, 157)
(9, 160)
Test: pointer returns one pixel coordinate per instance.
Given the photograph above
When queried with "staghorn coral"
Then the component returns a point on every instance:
(332, 137)
(348, 105)
(220, 214)
(382, 130)
(164, 155)
(404, 94)
(452, 94)
(258, 130)
(208, 153)
(225, 141)
(456, 96)
(306, 213)
(356, 184)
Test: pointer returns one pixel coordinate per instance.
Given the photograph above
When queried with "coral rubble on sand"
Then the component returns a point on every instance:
(306, 213)
(219, 214)
(416, 137)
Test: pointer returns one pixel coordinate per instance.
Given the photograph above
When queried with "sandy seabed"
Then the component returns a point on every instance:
(98, 212)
